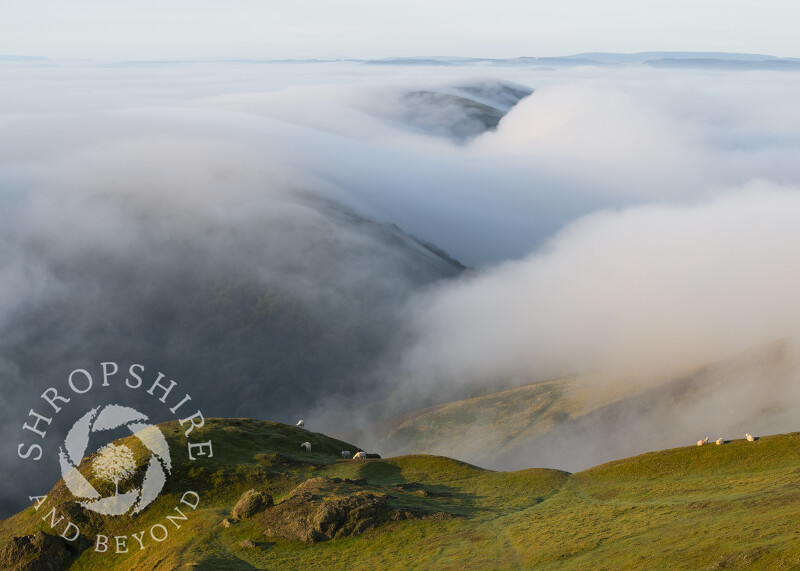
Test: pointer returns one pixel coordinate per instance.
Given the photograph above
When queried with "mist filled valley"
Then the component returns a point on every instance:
(517, 264)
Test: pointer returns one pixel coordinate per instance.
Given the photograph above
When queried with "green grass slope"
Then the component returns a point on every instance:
(600, 417)
(687, 508)
(500, 421)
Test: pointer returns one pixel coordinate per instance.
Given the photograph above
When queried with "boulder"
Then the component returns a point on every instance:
(37, 552)
(323, 484)
(308, 517)
(250, 503)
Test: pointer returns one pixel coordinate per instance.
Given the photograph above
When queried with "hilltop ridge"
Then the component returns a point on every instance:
(696, 507)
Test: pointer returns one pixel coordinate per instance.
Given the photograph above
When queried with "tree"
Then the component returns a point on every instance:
(115, 463)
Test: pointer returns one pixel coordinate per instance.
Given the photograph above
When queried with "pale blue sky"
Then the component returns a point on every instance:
(133, 29)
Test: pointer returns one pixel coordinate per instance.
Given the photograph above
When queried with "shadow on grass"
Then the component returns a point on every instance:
(468, 502)
(422, 496)
(381, 473)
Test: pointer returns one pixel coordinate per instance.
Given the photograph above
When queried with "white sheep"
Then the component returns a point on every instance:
(360, 455)
(345, 454)
(301, 423)
(704, 441)
(750, 437)
(306, 445)
(719, 441)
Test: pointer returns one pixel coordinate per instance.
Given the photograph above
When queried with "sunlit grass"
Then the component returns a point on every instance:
(686, 508)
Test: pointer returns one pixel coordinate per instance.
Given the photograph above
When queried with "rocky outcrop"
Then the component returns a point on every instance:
(321, 509)
(37, 552)
(251, 503)
(311, 518)
(321, 484)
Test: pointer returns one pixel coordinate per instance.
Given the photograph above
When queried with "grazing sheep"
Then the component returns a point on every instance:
(301, 423)
(360, 455)
(373, 455)
(719, 441)
(750, 437)
(345, 454)
(704, 441)
(306, 445)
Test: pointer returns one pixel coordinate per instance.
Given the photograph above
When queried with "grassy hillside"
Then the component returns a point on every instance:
(598, 419)
(498, 421)
(688, 508)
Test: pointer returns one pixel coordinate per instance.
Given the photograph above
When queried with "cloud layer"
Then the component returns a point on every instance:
(628, 221)
(649, 290)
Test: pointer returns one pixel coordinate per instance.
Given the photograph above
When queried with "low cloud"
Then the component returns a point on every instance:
(618, 221)
(651, 290)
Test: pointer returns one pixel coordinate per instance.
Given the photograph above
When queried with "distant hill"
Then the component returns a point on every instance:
(727, 64)
(579, 421)
(711, 60)
(719, 60)
(642, 57)
(710, 507)
(459, 112)
(24, 59)
(409, 61)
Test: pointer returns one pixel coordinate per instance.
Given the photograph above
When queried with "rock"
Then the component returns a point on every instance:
(227, 522)
(314, 484)
(37, 552)
(251, 503)
(307, 517)
(321, 483)
(321, 509)
(247, 543)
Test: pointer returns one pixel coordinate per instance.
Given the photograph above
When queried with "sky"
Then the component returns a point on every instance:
(277, 29)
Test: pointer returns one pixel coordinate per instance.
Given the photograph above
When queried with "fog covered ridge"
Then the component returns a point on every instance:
(580, 421)
(687, 60)
(459, 112)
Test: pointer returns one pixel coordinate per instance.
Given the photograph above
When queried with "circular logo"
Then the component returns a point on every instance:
(114, 463)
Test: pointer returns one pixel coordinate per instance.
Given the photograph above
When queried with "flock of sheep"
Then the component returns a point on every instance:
(750, 438)
(361, 455)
